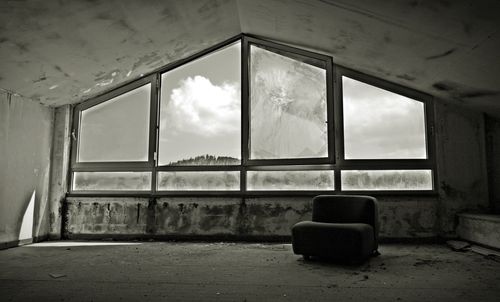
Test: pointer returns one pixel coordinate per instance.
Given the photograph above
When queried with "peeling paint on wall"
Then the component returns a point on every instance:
(254, 217)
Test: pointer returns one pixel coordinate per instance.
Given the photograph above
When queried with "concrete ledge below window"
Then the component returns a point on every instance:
(480, 228)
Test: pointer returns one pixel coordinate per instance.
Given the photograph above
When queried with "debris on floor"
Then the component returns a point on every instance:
(426, 262)
(458, 246)
(57, 276)
(488, 253)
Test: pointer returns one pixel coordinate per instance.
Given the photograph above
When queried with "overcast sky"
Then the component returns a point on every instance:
(201, 108)
(380, 124)
(201, 114)
(118, 129)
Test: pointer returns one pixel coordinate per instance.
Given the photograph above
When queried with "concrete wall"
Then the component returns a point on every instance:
(493, 158)
(25, 150)
(257, 218)
(461, 185)
(461, 165)
(480, 228)
(59, 170)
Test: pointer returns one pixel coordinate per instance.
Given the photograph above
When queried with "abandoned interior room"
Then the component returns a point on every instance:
(249, 150)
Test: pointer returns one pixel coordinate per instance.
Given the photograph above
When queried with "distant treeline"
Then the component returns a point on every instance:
(207, 160)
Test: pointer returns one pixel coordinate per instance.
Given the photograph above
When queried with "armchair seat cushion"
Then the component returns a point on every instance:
(354, 241)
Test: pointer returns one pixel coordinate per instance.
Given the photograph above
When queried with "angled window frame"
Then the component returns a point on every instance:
(115, 166)
(187, 168)
(335, 160)
(300, 55)
(343, 164)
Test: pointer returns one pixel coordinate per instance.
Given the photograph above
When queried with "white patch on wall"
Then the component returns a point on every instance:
(26, 231)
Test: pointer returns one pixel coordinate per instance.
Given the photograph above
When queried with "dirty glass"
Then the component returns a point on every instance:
(379, 124)
(290, 180)
(288, 111)
(111, 181)
(117, 129)
(373, 180)
(200, 111)
(199, 181)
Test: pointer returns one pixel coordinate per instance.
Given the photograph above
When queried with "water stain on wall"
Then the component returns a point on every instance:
(460, 92)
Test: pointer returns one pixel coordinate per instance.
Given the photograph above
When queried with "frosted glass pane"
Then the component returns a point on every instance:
(379, 124)
(288, 107)
(196, 180)
(290, 180)
(112, 181)
(354, 180)
(116, 130)
(200, 119)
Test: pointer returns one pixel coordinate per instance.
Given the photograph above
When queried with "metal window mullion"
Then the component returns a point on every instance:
(248, 194)
(334, 114)
(289, 51)
(431, 139)
(245, 111)
(117, 168)
(153, 129)
(74, 135)
(338, 127)
(330, 111)
(291, 168)
(197, 168)
(114, 93)
(386, 165)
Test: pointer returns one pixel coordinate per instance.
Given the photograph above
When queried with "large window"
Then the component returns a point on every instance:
(116, 130)
(200, 115)
(386, 145)
(288, 111)
(250, 116)
(379, 124)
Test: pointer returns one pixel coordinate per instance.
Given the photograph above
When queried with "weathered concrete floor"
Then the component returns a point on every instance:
(173, 271)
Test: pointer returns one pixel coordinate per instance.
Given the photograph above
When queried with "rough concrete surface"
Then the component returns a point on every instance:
(171, 271)
(461, 185)
(492, 127)
(204, 216)
(480, 228)
(25, 149)
(61, 52)
(461, 165)
(59, 168)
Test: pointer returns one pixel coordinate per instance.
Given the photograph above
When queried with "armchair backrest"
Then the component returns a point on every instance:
(346, 209)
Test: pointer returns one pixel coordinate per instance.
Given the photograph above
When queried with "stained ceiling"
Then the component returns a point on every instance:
(62, 52)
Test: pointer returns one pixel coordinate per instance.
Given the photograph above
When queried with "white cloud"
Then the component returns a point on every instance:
(200, 107)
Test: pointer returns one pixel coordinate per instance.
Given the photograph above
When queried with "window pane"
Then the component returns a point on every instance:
(379, 124)
(290, 180)
(199, 181)
(200, 121)
(288, 107)
(353, 180)
(116, 130)
(112, 181)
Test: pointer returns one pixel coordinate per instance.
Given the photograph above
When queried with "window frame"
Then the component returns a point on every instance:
(342, 163)
(187, 168)
(296, 54)
(334, 161)
(115, 166)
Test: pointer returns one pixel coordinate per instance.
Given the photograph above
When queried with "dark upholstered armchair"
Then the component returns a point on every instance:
(343, 227)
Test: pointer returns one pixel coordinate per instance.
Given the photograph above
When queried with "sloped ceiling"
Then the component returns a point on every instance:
(449, 49)
(61, 52)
